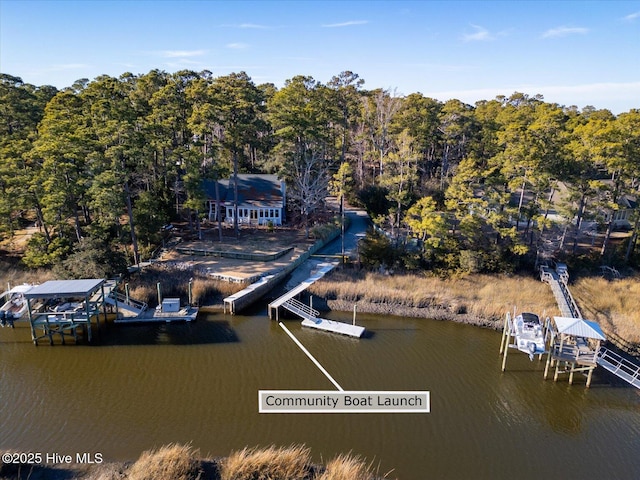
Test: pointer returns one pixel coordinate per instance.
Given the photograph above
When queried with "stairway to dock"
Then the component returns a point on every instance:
(309, 315)
(124, 304)
(622, 367)
(619, 366)
(301, 309)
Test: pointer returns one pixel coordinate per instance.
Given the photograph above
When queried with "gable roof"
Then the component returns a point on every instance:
(579, 327)
(253, 189)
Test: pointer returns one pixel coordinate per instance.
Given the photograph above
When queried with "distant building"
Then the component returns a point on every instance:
(261, 199)
(621, 218)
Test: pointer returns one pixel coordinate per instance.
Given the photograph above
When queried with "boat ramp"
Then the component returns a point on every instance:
(311, 317)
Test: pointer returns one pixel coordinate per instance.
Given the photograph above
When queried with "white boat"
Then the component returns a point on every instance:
(15, 304)
(529, 334)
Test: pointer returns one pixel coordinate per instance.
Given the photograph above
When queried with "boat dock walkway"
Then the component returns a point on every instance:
(622, 367)
(619, 366)
(564, 299)
(309, 315)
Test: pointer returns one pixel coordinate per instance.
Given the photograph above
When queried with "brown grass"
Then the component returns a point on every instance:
(180, 462)
(171, 462)
(272, 463)
(615, 305)
(479, 295)
(13, 273)
(175, 283)
(347, 467)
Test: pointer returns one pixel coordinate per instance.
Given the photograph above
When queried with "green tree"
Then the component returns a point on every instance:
(238, 105)
(427, 223)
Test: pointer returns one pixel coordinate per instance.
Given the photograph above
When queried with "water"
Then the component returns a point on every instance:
(145, 386)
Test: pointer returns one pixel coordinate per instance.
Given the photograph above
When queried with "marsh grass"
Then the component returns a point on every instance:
(271, 463)
(347, 467)
(479, 295)
(13, 273)
(615, 305)
(175, 283)
(171, 462)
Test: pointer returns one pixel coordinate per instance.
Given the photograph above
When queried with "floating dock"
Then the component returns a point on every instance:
(310, 316)
(334, 327)
(168, 311)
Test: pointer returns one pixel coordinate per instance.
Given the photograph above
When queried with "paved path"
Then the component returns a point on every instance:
(358, 224)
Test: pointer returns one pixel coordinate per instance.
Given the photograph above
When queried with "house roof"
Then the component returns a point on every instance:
(579, 327)
(253, 189)
(65, 288)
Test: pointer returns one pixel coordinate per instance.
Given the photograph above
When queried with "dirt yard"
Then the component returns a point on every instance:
(251, 241)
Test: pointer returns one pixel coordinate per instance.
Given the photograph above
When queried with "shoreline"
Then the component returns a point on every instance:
(432, 313)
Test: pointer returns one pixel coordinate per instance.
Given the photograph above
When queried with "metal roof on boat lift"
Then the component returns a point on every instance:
(65, 288)
(579, 327)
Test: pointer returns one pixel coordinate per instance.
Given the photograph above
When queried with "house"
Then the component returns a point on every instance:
(261, 199)
(622, 217)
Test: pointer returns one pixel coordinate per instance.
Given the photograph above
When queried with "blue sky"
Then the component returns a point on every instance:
(572, 52)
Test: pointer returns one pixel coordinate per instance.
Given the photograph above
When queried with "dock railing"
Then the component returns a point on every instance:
(301, 309)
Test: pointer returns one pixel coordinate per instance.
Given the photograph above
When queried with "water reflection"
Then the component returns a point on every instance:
(144, 385)
(175, 333)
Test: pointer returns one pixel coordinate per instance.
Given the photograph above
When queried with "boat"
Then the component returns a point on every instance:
(529, 334)
(15, 305)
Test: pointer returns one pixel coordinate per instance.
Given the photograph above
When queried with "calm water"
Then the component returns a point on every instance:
(145, 386)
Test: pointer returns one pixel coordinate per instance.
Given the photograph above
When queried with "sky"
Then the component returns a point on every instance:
(571, 52)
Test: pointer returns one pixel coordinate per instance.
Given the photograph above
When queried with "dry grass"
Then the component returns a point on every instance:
(613, 304)
(13, 273)
(479, 295)
(171, 462)
(175, 283)
(272, 463)
(347, 467)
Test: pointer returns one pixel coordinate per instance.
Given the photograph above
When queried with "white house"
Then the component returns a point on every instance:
(261, 199)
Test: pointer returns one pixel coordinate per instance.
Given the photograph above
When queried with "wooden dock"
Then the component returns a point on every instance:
(567, 305)
(578, 345)
(185, 314)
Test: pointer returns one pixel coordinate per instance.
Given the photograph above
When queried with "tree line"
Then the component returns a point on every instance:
(101, 165)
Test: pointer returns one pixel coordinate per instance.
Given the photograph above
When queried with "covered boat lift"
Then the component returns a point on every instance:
(77, 302)
(575, 342)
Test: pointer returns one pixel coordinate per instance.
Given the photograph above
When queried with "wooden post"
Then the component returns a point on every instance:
(589, 376)
(573, 366)
(354, 313)
(504, 332)
(126, 292)
(33, 330)
(310, 303)
(159, 293)
(190, 287)
(546, 367)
